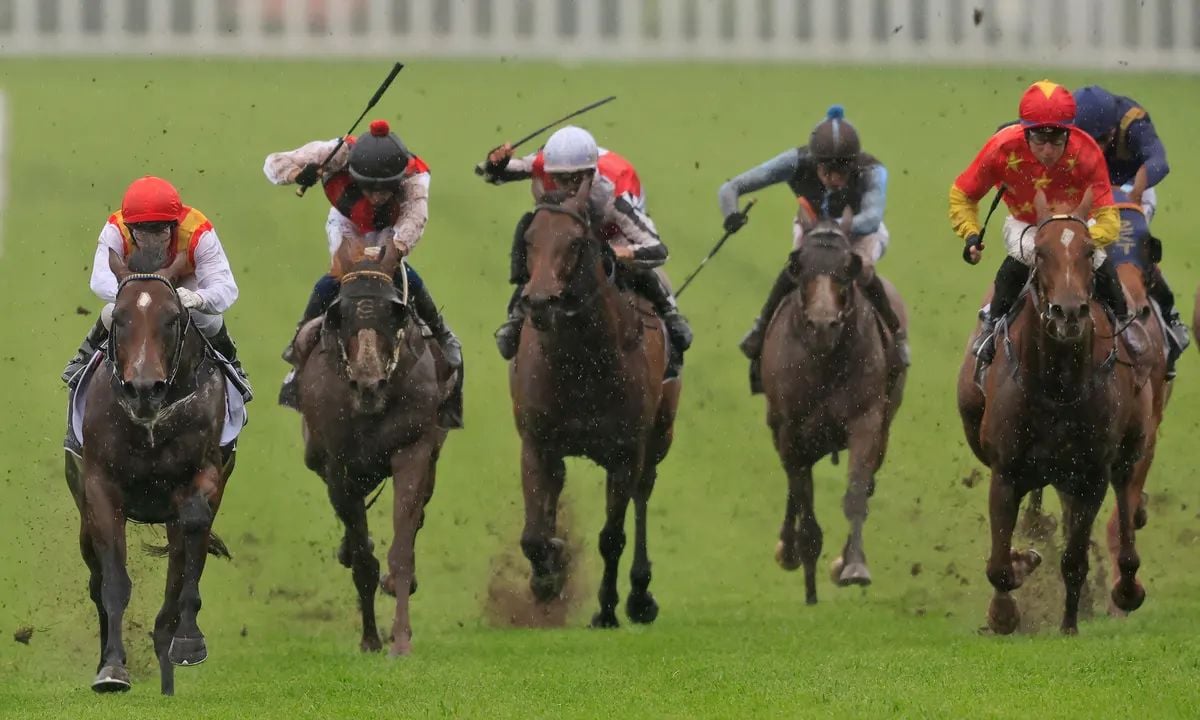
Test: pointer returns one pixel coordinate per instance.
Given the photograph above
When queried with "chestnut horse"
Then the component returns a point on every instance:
(588, 381)
(370, 389)
(832, 382)
(151, 454)
(1060, 406)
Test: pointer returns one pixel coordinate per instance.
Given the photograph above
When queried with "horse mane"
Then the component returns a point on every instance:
(148, 259)
(555, 197)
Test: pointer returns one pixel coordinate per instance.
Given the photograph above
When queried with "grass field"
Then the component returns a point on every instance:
(734, 638)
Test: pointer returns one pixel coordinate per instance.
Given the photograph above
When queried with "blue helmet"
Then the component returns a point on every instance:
(1096, 111)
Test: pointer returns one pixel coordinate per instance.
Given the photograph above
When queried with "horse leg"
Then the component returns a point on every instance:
(1127, 593)
(640, 605)
(801, 539)
(542, 476)
(352, 511)
(88, 551)
(1003, 504)
(167, 620)
(866, 435)
(1078, 516)
(410, 486)
(612, 542)
(105, 525)
(195, 524)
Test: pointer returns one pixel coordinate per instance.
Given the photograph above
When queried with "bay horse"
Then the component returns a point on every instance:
(370, 388)
(832, 382)
(1060, 405)
(587, 381)
(151, 454)
(1133, 258)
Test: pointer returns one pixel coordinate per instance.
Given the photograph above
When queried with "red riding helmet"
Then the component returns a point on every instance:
(151, 199)
(1047, 104)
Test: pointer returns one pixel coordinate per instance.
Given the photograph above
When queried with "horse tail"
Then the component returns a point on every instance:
(216, 548)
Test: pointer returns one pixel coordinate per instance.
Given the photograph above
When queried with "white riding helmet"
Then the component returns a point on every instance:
(571, 149)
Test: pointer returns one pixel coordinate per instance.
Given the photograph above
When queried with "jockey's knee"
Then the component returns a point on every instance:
(327, 288)
(106, 313)
(415, 283)
(209, 325)
(518, 272)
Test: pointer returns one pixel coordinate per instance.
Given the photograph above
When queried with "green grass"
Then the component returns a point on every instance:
(734, 637)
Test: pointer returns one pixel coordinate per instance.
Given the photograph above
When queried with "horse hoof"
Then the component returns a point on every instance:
(343, 552)
(1003, 615)
(810, 599)
(187, 651)
(547, 588)
(112, 678)
(787, 561)
(370, 644)
(400, 650)
(835, 569)
(1128, 601)
(854, 574)
(1139, 517)
(1069, 630)
(642, 609)
(605, 620)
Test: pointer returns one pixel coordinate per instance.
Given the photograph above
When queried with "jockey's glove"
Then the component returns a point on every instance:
(972, 240)
(309, 175)
(190, 298)
(734, 221)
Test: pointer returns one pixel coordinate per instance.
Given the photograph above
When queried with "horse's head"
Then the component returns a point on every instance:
(1063, 272)
(566, 262)
(149, 325)
(824, 269)
(367, 323)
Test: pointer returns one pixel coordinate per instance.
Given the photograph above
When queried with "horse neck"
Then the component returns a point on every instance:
(1063, 371)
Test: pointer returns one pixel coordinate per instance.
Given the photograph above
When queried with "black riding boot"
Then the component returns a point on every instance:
(1177, 333)
(1010, 278)
(1109, 290)
(649, 285)
(508, 336)
(427, 310)
(90, 345)
(877, 294)
(751, 345)
(224, 344)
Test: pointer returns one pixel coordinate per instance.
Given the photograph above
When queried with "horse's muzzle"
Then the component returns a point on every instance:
(543, 310)
(823, 332)
(143, 397)
(369, 395)
(1066, 322)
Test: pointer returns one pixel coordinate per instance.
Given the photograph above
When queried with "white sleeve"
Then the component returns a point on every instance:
(214, 278)
(104, 283)
(281, 168)
(414, 212)
(337, 228)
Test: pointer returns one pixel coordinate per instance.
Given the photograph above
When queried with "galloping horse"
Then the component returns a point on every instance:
(832, 382)
(587, 381)
(1060, 405)
(152, 454)
(370, 388)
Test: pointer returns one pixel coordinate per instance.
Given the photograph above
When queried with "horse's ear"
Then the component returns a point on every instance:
(389, 257)
(1041, 206)
(585, 190)
(177, 269)
(1085, 205)
(847, 221)
(116, 263)
(343, 257)
(805, 216)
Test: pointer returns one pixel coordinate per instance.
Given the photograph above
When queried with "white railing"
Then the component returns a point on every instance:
(1133, 34)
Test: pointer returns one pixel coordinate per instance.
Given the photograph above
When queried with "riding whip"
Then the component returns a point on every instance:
(716, 248)
(479, 169)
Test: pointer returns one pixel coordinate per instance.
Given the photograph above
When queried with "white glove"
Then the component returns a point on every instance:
(190, 298)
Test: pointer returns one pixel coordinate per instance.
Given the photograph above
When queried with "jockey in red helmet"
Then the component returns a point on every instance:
(1045, 152)
(153, 218)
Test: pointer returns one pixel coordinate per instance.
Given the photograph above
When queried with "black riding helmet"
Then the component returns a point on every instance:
(834, 141)
(378, 158)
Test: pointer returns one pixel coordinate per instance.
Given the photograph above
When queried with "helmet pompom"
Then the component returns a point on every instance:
(379, 128)
(835, 112)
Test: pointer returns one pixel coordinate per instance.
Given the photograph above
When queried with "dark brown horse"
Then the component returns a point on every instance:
(151, 453)
(588, 381)
(832, 382)
(370, 391)
(1061, 406)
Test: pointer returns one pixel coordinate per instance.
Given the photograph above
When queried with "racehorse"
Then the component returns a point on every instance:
(588, 380)
(370, 389)
(1060, 405)
(832, 382)
(151, 453)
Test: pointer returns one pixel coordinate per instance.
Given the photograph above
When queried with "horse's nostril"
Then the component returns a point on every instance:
(354, 385)
(380, 385)
(128, 389)
(1083, 310)
(159, 388)
(833, 324)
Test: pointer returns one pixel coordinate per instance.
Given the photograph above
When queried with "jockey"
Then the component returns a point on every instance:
(828, 175)
(1046, 152)
(618, 205)
(379, 191)
(1137, 162)
(151, 214)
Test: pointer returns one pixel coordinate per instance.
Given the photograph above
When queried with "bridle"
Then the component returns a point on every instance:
(400, 297)
(581, 301)
(183, 318)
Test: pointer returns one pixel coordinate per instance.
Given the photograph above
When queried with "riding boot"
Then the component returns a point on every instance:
(224, 344)
(751, 345)
(877, 294)
(427, 310)
(324, 292)
(508, 335)
(1109, 290)
(1177, 333)
(1010, 278)
(90, 345)
(651, 286)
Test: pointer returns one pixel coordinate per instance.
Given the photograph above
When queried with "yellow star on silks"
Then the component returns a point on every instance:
(1071, 162)
(1072, 192)
(1014, 162)
(1026, 208)
(1041, 183)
